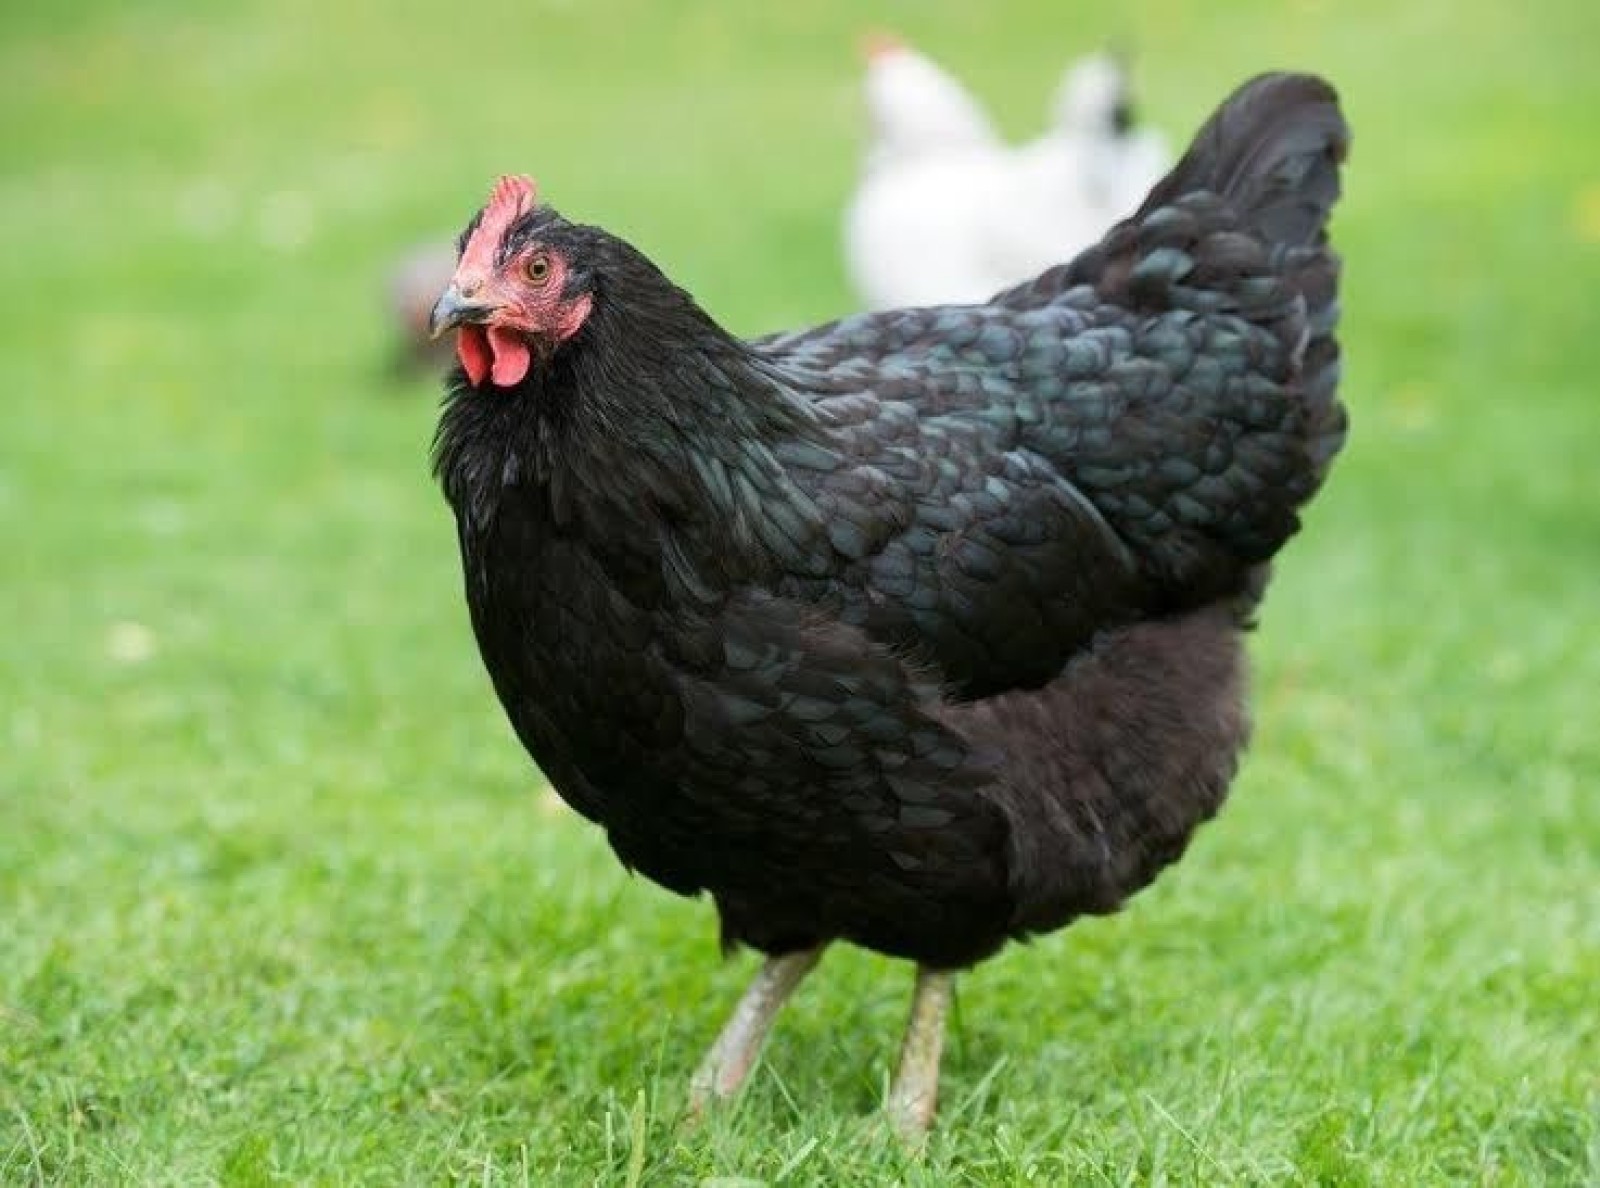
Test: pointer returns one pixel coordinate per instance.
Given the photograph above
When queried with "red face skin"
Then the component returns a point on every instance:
(522, 295)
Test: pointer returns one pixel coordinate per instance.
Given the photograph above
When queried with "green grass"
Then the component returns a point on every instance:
(280, 898)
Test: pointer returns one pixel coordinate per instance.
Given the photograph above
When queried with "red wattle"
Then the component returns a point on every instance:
(472, 348)
(511, 356)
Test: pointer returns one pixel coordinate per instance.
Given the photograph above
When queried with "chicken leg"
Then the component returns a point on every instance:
(914, 1095)
(734, 1053)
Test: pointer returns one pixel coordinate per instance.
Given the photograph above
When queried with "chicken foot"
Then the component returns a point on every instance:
(734, 1053)
(914, 1094)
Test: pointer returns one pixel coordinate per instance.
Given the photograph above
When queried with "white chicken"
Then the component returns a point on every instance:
(1091, 168)
(1093, 114)
(932, 154)
(947, 212)
(916, 107)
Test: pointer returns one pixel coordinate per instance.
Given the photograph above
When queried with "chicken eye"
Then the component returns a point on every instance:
(538, 269)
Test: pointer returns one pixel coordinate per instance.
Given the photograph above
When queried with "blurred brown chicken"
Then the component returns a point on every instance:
(414, 284)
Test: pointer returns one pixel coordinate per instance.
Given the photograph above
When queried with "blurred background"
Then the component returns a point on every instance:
(280, 896)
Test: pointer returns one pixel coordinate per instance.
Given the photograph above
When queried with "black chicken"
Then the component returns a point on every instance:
(920, 630)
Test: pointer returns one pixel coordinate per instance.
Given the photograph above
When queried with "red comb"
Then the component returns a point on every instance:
(877, 43)
(515, 192)
(513, 196)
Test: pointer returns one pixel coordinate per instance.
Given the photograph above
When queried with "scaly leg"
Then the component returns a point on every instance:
(914, 1095)
(731, 1058)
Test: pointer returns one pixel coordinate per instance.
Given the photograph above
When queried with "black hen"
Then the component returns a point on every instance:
(922, 629)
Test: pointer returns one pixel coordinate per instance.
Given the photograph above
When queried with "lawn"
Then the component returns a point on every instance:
(281, 899)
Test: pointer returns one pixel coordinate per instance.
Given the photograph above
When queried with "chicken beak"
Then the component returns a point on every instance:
(452, 309)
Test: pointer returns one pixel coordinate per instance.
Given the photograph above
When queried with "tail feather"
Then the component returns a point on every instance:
(1237, 228)
(1273, 151)
(1249, 199)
